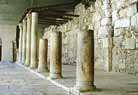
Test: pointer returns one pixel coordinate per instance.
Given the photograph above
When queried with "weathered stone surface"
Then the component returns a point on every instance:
(85, 61)
(28, 41)
(115, 15)
(108, 13)
(134, 21)
(104, 31)
(24, 41)
(20, 43)
(111, 20)
(16, 80)
(122, 23)
(34, 41)
(132, 10)
(55, 54)
(123, 13)
(43, 48)
(106, 21)
(130, 43)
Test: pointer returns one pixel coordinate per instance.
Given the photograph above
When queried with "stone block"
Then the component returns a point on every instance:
(123, 12)
(106, 6)
(117, 32)
(115, 15)
(134, 21)
(136, 43)
(108, 13)
(97, 25)
(97, 17)
(105, 43)
(132, 9)
(106, 1)
(130, 43)
(122, 64)
(122, 23)
(117, 42)
(104, 31)
(106, 21)
(119, 5)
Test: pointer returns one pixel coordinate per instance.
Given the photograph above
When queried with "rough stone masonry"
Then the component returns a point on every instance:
(115, 32)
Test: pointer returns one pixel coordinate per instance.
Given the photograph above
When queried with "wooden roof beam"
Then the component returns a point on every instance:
(46, 7)
(45, 19)
(52, 22)
(56, 17)
(60, 14)
(48, 10)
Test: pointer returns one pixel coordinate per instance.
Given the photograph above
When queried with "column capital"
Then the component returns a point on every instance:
(28, 15)
(34, 13)
(24, 21)
(20, 24)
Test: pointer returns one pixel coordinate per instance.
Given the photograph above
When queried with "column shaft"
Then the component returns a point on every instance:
(85, 61)
(108, 49)
(24, 42)
(55, 54)
(20, 43)
(28, 41)
(43, 46)
(34, 42)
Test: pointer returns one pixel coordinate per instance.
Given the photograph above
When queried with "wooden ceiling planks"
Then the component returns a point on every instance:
(53, 14)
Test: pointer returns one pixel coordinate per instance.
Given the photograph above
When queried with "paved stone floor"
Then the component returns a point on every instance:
(15, 80)
(107, 83)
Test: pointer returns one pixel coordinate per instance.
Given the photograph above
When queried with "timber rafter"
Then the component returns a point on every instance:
(53, 14)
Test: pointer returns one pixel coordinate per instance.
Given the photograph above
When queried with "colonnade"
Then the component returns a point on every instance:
(34, 54)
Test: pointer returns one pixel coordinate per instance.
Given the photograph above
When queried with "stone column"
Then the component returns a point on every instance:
(34, 41)
(107, 22)
(20, 43)
(43, 46)
(55, 55)
(24, 42)
(28, 41)
(85, 61)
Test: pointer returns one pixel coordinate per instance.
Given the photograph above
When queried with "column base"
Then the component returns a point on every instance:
(19, 61)
(85, 86)
(27, 64)
(40, 70)
(55, 76)
(33, 65)
(22, 61)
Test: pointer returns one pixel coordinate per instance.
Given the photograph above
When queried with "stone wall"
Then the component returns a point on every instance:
(125, 21)
(7, 34)
(115, 29)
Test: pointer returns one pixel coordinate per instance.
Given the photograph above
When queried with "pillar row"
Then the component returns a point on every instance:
(28, 41)
(34, 42)
(55, 54)
(43, 46)
(24, 42)
(85, 61)
(20, 43)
